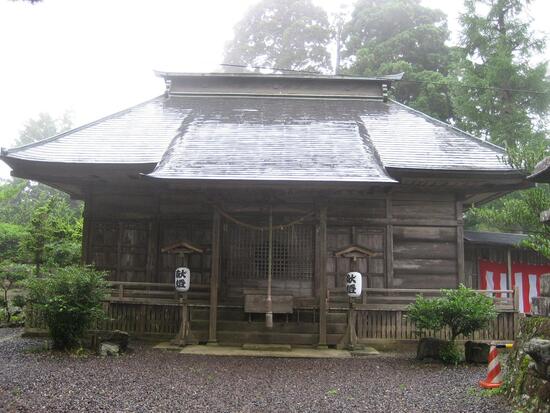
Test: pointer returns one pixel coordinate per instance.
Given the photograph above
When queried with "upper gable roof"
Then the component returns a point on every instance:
(286, 131)
(270, 139)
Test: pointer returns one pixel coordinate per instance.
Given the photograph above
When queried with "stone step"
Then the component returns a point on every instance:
(267, 347)
(291, 327)
(237, 338)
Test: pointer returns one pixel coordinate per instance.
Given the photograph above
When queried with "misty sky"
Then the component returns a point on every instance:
(95, 57)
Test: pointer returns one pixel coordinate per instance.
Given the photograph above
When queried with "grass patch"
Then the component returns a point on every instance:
(42, 348)
(474, 391)
(332, 392)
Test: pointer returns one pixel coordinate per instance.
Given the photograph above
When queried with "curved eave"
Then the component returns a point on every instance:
(272, 181)
(76, 179)
(541, 174)
(457, 172)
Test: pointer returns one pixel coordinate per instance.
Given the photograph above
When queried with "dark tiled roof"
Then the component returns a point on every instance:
(494, 238)
(406, 138)
(136, 135)
(270, 138)
(541, 172)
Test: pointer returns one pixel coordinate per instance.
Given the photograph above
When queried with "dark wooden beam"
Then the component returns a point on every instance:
(322, 277)
(153, 249)
(86, 231)
(214, 278)
(509, 268)
(461, 278)
(389, 243)
(120, 233)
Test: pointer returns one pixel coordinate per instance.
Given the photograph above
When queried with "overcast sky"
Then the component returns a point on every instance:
(95, 57)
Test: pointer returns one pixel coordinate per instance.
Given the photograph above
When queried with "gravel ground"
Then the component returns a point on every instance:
(151, 380)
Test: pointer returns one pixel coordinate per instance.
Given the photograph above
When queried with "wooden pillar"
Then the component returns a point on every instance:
(153, 249)
(389, 243)
(516, 311)
(461, 278)
(214, 278)
(322, 277)
(86, 232)
(183, 333)
(509, 264)
(120, 234)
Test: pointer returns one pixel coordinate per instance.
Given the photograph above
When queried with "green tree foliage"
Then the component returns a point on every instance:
(18, 198)
(392, 36)
(518, 212)
(70, 300)
(54, 235)
(44, 126)
(463, 310)
(497, 51)
(39, 224)
(288, 34)
(11, 238)
(497, 46)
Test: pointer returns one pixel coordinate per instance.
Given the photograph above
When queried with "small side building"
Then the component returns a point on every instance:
(541, 174)
(499, 261)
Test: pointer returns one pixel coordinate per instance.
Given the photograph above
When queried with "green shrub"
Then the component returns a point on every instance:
(70, 301)
(450, 354)
(18, 301)
(11, 236)
(17, 320)
(12, 276)
(463, 310)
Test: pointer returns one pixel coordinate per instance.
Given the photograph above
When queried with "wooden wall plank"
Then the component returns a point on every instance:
(425, 233)
(420, 209)
(425, 250)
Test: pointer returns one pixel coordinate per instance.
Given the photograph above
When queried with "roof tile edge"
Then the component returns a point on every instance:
(255, 84)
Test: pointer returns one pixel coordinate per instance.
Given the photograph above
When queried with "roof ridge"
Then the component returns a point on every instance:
(365, 137)
(448, 125)
(78, 128)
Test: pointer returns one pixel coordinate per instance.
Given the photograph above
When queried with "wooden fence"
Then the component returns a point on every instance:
(385, 316)
(153, 310)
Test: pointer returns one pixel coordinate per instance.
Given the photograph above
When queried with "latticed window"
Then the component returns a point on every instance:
(279, 259)
(245, 252)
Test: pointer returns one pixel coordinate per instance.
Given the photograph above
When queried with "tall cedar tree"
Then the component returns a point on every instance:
(497, 49)
(392, 36)
(496, 60)
(287, 34)
(39, 224)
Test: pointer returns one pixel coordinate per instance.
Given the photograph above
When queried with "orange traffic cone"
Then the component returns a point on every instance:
(494, 378)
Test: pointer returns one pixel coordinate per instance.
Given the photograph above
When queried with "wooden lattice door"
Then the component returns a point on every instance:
(245, 258)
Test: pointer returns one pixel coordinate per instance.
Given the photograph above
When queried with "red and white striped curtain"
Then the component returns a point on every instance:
(493, 276)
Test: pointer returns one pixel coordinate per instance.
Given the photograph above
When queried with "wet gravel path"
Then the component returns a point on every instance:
(151, 380)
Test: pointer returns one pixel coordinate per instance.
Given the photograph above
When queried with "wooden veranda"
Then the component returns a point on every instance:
(155, 311)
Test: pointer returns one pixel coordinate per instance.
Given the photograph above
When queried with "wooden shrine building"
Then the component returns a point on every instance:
(270, 186)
